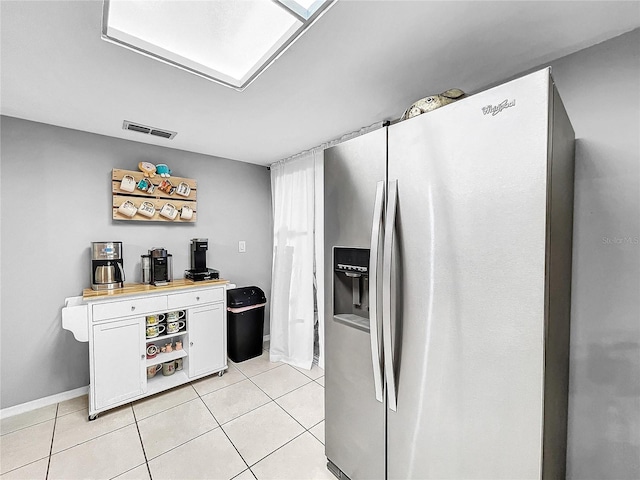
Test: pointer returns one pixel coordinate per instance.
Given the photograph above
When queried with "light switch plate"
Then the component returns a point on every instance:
(242, 246)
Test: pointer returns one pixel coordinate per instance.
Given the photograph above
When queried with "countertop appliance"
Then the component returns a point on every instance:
(199, 270)
(107, 270)
(447, 348)
(145, 268)
(160, 267)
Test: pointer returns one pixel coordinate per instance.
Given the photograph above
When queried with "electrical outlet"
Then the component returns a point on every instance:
(242, 246)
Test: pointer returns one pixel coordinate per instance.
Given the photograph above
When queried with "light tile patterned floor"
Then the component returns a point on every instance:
(260, 420)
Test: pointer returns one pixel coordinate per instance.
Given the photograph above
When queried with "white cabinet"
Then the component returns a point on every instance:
(124, 308)
(118, 371)
(118, 341)
(207, 339)
(190, 299)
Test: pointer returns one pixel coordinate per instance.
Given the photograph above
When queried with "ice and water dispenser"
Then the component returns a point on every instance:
(351, 286)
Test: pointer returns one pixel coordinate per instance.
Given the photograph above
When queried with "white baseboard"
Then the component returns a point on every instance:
(43, 402)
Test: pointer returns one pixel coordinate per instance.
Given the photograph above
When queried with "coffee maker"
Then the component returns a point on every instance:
(199, 270)
(107, 270)
(157, 267)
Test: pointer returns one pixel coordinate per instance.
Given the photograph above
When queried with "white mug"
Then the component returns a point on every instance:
(173, 316)
(186, 212)
(169, 211)
(154, 319)
(147, 209)
(128, 183)
(173, 327)
(128, 209)
(154, 330)
(183, 189)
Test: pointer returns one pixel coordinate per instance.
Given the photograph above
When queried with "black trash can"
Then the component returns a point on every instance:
(245, 323)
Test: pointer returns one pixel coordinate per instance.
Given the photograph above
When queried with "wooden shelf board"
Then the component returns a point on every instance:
(158, 197)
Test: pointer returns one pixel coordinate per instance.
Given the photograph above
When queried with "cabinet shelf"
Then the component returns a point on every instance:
(160, 383)
(166, 357)
(164, 337)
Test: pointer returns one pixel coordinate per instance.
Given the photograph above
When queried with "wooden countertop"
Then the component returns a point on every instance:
(137, 288)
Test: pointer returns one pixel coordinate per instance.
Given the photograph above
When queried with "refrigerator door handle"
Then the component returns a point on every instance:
(389, 231)
(376, 231)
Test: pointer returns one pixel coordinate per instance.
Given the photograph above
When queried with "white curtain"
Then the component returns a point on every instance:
(292, 285)
(297, 190)
(319, 251)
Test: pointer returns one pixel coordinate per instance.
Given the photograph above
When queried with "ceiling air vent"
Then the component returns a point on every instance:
(136, 127)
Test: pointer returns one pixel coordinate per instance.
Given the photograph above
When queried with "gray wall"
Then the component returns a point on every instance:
(600, 87)
(56, 200)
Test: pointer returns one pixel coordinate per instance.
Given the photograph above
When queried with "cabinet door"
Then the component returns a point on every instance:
(118, 361)
(207, 339)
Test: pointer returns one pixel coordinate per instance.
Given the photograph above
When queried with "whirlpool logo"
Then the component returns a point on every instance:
(496, 109)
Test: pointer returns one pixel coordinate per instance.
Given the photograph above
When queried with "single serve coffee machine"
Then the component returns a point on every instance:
(199, 270)
(157, 267)
(107, 270)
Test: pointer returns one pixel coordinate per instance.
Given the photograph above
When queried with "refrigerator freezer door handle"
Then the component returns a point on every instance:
(376, 231)
(389, 231)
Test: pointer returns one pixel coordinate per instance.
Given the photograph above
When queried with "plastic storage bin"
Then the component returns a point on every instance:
(245, 323)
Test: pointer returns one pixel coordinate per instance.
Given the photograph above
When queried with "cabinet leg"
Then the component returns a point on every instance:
(220, 373)
(93, 417)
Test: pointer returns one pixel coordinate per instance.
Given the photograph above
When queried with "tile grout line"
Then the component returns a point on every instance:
(93, 438)
(180, 444)
(144, 452)
(25, 465)
(271, 400)
(225, 434)
(183, 443)
(281, 407)
(181, 403)
(53, 434)
(255, 408)
(263, 372)
(245, 413)
(169, 408)
(305, 430)
(27, 426)
(315, 425)
(271, 369)
(280, 447)
(284, 394)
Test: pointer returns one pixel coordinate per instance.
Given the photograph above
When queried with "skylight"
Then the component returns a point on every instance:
(227, 41)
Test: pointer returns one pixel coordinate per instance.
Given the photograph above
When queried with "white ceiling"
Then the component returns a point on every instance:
(362, 62)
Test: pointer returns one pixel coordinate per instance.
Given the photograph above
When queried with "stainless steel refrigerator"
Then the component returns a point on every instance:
(448, 274)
